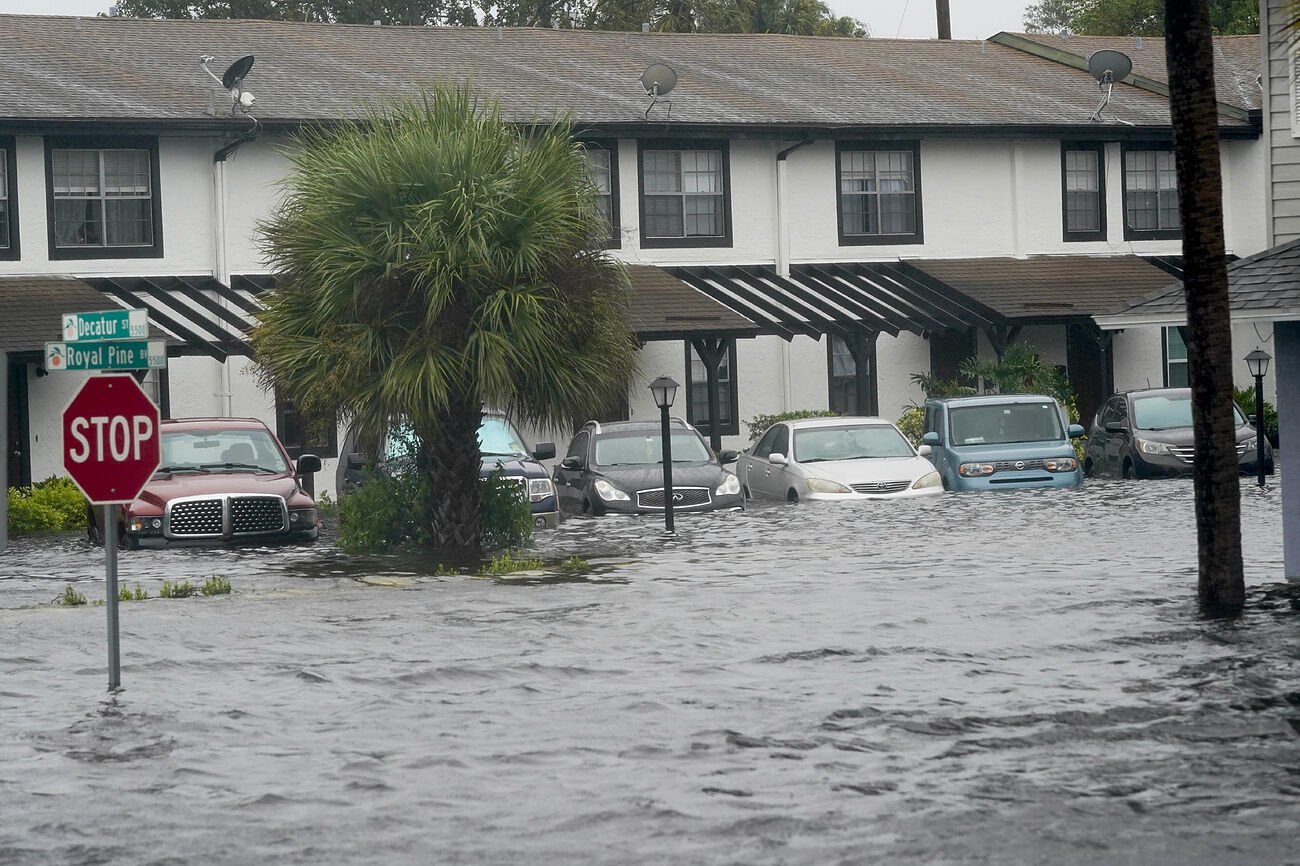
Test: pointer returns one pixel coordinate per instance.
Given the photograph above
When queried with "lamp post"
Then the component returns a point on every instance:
(665, 389)
(1257, 363)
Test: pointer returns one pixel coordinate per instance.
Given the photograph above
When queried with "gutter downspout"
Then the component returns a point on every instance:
(222, 266)
(783, 258)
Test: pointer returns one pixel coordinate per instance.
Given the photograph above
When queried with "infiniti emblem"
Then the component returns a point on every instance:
(1020, 464)
(677, 497)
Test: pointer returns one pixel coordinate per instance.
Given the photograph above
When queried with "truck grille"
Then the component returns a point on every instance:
(881, 487)
(683, 497)
(220, 516)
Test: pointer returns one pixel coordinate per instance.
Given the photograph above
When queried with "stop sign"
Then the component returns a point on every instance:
(110, 439)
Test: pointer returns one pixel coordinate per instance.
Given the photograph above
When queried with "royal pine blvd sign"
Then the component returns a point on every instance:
(106, 325)
(106, 355)
(111, 443)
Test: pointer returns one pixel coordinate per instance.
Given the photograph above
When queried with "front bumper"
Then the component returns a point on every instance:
(635, 506)
(909, 493)
(1018, 480)
(1171, 466)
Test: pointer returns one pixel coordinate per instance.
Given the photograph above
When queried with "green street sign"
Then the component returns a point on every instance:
(106, 355)
(106, 325)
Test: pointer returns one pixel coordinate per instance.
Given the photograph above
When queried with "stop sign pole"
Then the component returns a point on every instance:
(111, 448)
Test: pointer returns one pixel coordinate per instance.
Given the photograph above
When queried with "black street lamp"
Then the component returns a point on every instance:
(665, 390)
(1257, 363)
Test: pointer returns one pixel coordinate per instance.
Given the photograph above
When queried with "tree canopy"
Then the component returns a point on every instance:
(793, 17)
(1132, 17)
(432, 260)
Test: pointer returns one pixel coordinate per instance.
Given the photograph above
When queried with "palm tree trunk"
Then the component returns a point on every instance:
(454, 476)
(1190, 59)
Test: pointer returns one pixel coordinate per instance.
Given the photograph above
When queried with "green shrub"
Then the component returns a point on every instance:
(912, 424)
(759, 424)
(184, 589)
(216, 586)
(71, 597)
(385, 511)
(508, 562)
(138, 594)
(1245, 398)
(507, 518)
(52, 505)
(325, 506)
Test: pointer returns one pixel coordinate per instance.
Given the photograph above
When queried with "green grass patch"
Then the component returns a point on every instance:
(124, 593)
(70, 597)
(184, 589)
(216, 586)
(510, 562)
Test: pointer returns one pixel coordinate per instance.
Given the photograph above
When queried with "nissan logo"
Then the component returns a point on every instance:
(1020, 464)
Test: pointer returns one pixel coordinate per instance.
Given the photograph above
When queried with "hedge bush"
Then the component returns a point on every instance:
(52, 505)
(759, 424)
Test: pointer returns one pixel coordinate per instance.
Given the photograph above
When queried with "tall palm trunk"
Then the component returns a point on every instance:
(453, 475)
(1190, 59)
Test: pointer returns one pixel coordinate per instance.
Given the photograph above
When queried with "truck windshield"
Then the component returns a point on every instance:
(198, 450)
(1003, 423)
(496, 435)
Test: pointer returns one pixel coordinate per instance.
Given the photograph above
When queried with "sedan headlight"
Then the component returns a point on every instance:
(929, 479)
(1060, 464)
(825, 485)
(609, 492)
(975, 470)
(730, 487)
(539, 489)
(1146, 446)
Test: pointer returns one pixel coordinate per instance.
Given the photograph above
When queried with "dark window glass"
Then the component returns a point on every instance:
(843, 381)
(578, 447)
(600, 166)
(1150, 191)
(764, 446)
(102, 198)
(782, 443)
(1175, 359)
(877, 192)
(683, 192)
(4, 199)
(1082, 191)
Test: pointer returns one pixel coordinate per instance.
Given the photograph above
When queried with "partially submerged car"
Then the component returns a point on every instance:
(221, 480)
(501, 448)
(618, 468)
(1147, 433)
(836, 459)
(1001, 441)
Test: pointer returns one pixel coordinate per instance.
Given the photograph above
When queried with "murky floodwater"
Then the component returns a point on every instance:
(1003, 678)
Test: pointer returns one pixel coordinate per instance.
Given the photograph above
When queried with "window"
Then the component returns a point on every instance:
(1150, 195)
(8, 200)
(103, 198)
(1084, 191)
(602, 164)
(578, 447)
(684, 195)
(1175, 358)
(155, 384)
(768, 442)
(842, 375)
(879, 193)
(301, 436)
(697, 391)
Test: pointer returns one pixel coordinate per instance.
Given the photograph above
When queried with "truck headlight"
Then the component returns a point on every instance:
(539, 489)
(975, 470)
(730, 487)
(825, 485)
(609, 492)
(302, 518)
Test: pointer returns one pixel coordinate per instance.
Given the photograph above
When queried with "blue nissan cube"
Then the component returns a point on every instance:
(1001, 441)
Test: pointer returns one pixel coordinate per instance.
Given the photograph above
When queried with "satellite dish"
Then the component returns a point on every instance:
(235, 74)
(658, 79)
(1106, 62)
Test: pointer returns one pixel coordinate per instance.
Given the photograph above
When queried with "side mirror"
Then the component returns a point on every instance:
(544, 451)
(725, 457)
(931, 438)
(1075, 431)
(777, 459)
(574, 463)
(356, 460)
(307, 464)
(1115, 427)
(923, 450)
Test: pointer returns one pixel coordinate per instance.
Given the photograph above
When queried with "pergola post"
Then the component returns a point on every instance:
(862, 348)
(711, 351)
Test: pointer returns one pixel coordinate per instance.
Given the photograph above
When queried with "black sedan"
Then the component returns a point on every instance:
(618, 468)
(1148, 434)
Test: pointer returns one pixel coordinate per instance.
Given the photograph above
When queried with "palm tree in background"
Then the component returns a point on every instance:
(1189, 55)
(433, 259)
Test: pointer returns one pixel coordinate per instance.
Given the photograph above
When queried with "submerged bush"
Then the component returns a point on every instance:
(184, 589)
(138, 594)
(510, 561)
(216, 586)
(52, 505)
(507, 518)
(71, 597)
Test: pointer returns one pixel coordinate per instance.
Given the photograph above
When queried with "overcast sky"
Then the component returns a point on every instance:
(908, 19)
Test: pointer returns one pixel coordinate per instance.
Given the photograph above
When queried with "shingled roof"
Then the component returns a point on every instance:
(77, 70)
(1262, 287)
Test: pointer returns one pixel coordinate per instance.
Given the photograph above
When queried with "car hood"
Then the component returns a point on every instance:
(162, 489)
(514, 467)
(1185, 436)
(869, 469)
(1012, 451)
(647, 476)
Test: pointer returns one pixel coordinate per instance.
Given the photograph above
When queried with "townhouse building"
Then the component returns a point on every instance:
(807, 222)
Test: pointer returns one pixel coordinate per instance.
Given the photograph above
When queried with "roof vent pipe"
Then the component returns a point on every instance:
(944, 19)
(645, 26)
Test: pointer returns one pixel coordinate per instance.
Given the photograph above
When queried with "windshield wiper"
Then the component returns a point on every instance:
(172, 470)
(252, 466)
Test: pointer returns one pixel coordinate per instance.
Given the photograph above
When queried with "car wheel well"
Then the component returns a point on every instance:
(792, 495)
(1087, 466)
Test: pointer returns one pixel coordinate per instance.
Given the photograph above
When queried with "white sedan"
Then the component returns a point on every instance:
(836, 458)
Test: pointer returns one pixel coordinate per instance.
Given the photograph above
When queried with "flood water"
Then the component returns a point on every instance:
(1018, 677)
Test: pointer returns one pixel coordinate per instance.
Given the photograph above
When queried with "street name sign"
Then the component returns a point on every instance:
(106, 325)
(110, 439)
(106, 355)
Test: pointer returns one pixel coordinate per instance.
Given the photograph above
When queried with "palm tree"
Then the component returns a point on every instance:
(1190, 58)
(432, 259)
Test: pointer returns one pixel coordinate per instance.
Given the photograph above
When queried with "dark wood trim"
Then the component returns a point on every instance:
(722, 145)
(914, 145)
(1099, 148)
(13, 252)
(1131, 234)
(152, 251)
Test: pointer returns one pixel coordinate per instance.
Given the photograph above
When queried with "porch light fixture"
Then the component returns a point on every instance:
(664, 390)
(1257, 364)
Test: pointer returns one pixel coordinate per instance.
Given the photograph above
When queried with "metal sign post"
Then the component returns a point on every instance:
(110, 600)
